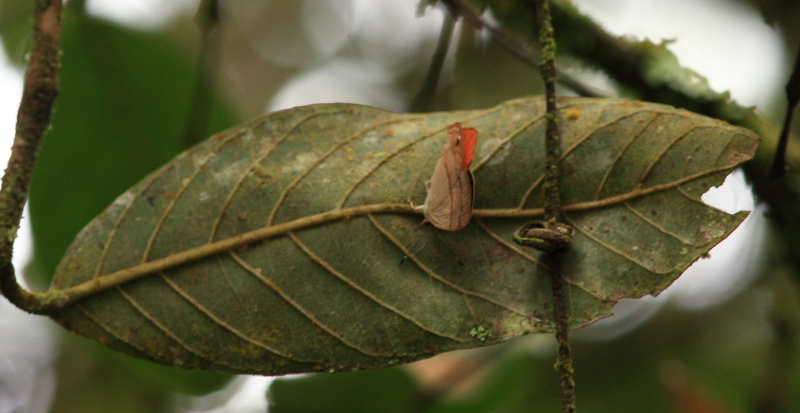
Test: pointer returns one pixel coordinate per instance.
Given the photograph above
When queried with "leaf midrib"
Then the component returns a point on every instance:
(63, 297)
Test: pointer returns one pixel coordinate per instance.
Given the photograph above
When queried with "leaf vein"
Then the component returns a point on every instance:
(382, 162)
(184, 185)
(666, 149)
(580, 286)
(257, 161)
(504, 142)
(321, 158)
(272, 285)
(402, 148)
(691, 197)
(113, 233)
(149, 317)
(723, 150)
(611, 248)
(575, 145)
(511, 246)
(105, 327)
(659, 226)
(196, 304)
(620, 154)
(436, 276)
(329, 268)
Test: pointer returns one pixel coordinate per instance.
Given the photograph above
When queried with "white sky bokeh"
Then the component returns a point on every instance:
(723, 40)
(381, 55)
(140, 14)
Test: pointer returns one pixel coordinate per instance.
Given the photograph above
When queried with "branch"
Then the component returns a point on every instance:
(38, 96)
(553, 206)
(619, 57)
(517, 46)
(778, 167)
(423, 100)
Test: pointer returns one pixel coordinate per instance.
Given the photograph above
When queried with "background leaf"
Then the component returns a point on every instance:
(135, 90)
(333, 297)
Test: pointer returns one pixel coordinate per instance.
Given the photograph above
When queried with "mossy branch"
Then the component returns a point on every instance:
(38, 96)
(553, 207)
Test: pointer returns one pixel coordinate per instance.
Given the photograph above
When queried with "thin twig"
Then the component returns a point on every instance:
(424, 100)
(518, 47)
(208, 20)
(553, 152)
(38, 96)
(778, 167)
(564, 364)
(553, 202)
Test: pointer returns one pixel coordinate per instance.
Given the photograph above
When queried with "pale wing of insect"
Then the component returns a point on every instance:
(448, 205)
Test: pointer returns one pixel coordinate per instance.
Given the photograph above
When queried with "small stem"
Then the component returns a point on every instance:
(549, 75)
(778, 167)
(424, 99)
(208, 19)
(564, 363)
(38, 96)
(553, 202)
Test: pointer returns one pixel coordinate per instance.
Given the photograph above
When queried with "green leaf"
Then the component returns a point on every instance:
(276, 247)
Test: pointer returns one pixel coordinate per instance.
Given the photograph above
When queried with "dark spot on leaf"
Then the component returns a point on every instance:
(654, 212)
(624, 218)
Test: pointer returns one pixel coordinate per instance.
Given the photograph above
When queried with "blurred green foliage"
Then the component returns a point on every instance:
(121, 113)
